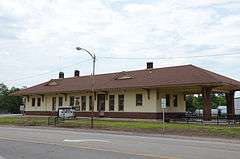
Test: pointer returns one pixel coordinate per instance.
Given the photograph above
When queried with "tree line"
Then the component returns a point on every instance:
(9, 104)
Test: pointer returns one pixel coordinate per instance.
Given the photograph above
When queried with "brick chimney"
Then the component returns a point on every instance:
(61, 75)
(76, 73)
(149, 65)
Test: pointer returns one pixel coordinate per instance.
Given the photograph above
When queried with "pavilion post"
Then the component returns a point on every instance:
(230, 105)
(206, 103)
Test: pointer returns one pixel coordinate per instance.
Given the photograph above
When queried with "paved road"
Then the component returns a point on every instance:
(28, 143)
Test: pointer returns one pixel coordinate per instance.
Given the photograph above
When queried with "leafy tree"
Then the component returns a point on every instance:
(9, 104)
(194, 102)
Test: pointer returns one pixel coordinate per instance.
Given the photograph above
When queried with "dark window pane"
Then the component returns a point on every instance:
(121, 102)
(71, 101)
(33, 102)
(111, 102)
(90, 103)
(60, 101)
(83, 99)
(138, 99)
(54, 103)
(175, 100)
(168, 100)
(101, 102)
(39, 102)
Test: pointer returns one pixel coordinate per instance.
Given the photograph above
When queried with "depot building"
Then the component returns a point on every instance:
(130, 94)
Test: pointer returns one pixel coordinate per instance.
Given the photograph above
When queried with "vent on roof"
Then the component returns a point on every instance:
(52, 83)
(124, 76)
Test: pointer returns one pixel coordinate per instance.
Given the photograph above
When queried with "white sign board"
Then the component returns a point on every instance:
(66, 113)
(163, 103)
(21, 107)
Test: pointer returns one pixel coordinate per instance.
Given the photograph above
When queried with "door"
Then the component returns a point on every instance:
(54, 103)
(101, 102)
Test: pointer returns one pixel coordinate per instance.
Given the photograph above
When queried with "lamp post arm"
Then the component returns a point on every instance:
(92, 55)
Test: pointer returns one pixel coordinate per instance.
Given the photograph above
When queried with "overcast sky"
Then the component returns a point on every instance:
(38, 38)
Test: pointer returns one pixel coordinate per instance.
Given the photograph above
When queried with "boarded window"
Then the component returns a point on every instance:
(175, 101)
(139, 99)
(39, 102)
(60, 101)
(168, 100)
(121, 102)
(71, 103)
(90, 103)
(83, 99)
(111, 102)
(33, 102)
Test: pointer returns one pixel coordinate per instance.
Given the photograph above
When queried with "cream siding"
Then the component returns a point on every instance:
(151, 104)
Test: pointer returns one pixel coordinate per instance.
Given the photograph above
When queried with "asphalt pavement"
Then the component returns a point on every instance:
(28, 143)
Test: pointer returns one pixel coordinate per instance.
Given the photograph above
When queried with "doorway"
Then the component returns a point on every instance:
(101, 102)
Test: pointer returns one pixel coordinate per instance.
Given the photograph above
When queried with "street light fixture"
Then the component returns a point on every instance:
(93, 80)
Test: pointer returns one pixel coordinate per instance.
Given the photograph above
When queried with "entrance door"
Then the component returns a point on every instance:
(101, 102)
(54, 99)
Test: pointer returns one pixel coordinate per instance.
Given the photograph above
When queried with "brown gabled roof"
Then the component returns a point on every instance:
(186, 75)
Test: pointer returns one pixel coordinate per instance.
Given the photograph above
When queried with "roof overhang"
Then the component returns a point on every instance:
(187, 88)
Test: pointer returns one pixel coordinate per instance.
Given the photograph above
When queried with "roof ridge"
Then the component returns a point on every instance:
(126, 71)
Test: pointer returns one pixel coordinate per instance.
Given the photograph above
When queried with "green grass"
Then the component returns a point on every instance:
(24, 121)
(134, 126)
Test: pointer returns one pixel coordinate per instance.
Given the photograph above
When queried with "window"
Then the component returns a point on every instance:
(33, 102)
(76, 102)
(175, 101)
(83, 99)
(71, 101)
(60, 101)
(39, 102)
(54, 103)
(111, 102)
(138, 99)
(120, 102)
(90, 103)
(168, 100)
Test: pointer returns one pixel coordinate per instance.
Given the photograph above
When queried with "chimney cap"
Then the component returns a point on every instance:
(61, 75)
(149, 65)
(76, 73)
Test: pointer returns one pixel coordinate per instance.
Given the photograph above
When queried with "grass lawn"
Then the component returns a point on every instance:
(133, 126)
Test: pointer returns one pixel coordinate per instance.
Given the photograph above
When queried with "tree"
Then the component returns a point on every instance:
(9, 104)
(194, 102)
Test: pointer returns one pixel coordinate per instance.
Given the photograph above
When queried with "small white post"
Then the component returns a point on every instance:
(163, 104)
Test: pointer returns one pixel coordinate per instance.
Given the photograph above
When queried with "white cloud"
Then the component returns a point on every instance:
(46, 30)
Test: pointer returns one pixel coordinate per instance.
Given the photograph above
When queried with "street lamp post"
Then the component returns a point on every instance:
(93, 80)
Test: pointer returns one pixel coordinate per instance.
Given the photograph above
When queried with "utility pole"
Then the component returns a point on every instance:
(93, 81)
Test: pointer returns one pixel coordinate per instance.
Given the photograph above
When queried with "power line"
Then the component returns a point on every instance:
(130, 58)
(165, 58)
(33, 76)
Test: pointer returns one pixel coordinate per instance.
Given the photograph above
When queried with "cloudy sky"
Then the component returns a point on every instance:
(38, 38)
